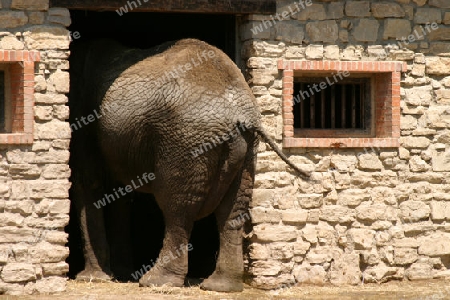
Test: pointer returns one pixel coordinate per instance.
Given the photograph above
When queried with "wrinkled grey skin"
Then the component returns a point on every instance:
(151, 127)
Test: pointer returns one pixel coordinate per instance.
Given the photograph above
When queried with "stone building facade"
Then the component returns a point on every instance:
(376, 207)
(34, 176)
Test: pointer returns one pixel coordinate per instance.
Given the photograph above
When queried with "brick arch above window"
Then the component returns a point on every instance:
(17, 116)
(383, 78)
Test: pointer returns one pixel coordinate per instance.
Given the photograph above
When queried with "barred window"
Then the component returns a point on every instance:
(331, 107)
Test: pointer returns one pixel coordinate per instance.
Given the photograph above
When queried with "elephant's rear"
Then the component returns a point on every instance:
(189, 96)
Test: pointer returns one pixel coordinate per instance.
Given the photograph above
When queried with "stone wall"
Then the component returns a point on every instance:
(374, 214)
(34, 185)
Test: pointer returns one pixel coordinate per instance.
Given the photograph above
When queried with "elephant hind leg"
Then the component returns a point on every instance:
(96, 249)
(231, 216)
(171, 266)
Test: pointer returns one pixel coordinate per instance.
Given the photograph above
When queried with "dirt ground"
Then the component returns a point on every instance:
(418, 290)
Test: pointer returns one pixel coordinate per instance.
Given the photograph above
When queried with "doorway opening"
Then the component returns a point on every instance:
(145, 30)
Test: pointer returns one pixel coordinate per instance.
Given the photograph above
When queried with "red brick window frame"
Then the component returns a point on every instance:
(18, 67)
(385, 76)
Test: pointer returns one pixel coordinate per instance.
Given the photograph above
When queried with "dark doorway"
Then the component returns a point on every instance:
(144, 30)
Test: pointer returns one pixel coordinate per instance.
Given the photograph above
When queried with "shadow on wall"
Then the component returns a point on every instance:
(144, 30)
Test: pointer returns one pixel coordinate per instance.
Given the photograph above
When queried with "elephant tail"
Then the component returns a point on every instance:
(263, 135)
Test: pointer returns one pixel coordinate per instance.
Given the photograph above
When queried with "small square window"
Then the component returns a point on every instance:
(17, 96)
(322, 108)
(331, 107)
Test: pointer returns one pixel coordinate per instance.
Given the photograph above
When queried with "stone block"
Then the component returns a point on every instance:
(345, 269)
(314, 52)
(11, 43)
(335, 10)
(322, 31)
(52, 156)
(266, 268)
(382, 273)
(54, 129)
(369, 162)
(405, 256)
(419, 96)
(440, 34)
(440, 48)
(274, 233)
(56, 172)
(50, 98)
(24, 171)
(36, 17)
(417, 164)
(308, 201)
(411, 142)
(446, 18)
(406, 243)
(11, 219)
(337, 214)
(396, 29)
(60, 80)
(427, 15)
(419, 271)
(414, 211)
(361, 238)
(371, 212)
(440, 211)
(418, 70)
(331, 52)
(294, 216)
(59, 206)
(60, 268)
(12, 19)
(310, 274)
(439, 3)
(259, 251)
(301, 247)
(440, 161)
(357, 8)
(60, 16)
(61, 112)
(438, 65)
(45, 37)
(366, 30)
(289, 31)
(256, 30)
(50, 285)
(352, 197)
(387, 9)
(18, 272)
(44, 252)
(314, 12)
(282, 251)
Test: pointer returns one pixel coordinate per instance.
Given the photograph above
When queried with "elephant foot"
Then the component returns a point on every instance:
(159, 277)
(222, 283)
(93, 276)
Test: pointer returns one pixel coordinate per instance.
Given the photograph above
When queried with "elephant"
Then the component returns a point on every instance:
(179, 119)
